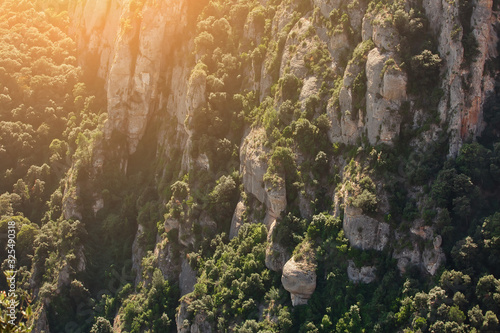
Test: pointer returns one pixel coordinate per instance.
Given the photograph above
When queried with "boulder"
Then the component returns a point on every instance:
(299, 278)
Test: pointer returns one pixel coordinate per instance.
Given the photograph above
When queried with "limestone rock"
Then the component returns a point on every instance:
(95, 24)
(171, 223)
(305, 207)
(374, 66)
(310, 87)
(253, 28)
(384, 34)
(382, 114)
(253, 166)
(462, 110)
(365, 274)
(187, 278)
(181, 320)
(394, 85)
(98, 204)
(276, 255)
(438, 240)
(294, 60)
(81, 259)
(237, 220)
(117, 324)
(326, 6)
(432, 256)
(338, 45)
(252, 163)
(138, 252)
(432, 259)
(407, 256)
(299, 279)
(71, 201)
(366, 28)
(129, 57)
(275, 199)
(64, 278)
(168, 264)
(364, 232)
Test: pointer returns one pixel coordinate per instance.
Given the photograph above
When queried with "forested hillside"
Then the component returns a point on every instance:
(250, 166)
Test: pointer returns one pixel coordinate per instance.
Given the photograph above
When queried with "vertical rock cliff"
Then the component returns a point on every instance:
(140, 51)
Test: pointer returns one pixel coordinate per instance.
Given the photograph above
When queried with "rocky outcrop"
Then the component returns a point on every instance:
(365, 274)
(237, 220)
(168, 264)
(138, 253)
(253, 166)
(94, 25)
(181, 318)
(382, 111)
(276, 255)
(71, 202)
(432, 259)
(198, 325)
(299, 278)
(187, 278)
(385, 90)
(294, 61)
(275, 201)
(429, 259)
(460, 109)
(408, 256)
(364, 232)
(117, 324)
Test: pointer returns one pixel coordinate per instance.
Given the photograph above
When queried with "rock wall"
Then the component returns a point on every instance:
(365, 232)
(461, 108)
(130, 44)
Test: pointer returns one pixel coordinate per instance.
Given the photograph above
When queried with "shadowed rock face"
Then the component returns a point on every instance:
(300, 280)
(363, 231)
(365, 274)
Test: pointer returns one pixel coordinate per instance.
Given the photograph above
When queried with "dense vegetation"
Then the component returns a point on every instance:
(78, 266)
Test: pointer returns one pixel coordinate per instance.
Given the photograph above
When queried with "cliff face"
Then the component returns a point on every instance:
(465, 88)
(131, 46)
(143, 52)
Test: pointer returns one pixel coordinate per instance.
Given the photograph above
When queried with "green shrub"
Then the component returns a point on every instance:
(425, 69)
(367, 201)
(290, 87)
